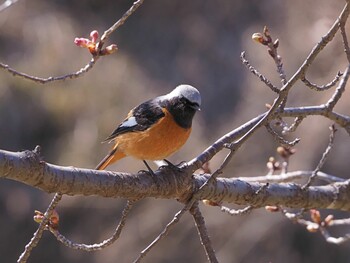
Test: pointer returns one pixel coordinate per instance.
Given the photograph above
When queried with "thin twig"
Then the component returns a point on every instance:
(209, 153)
(320, 225)
(247, 209)
(120, 22)
(318, 110)
(334, 240)
(340, 222)
(226, 161)
(323, 158)
(293, 127)
(39, 232)
(293, 112)
(280, 139)
(272, 49)
(324, 87)
(218, 171)
(165, 231)
(345, 41)
(176, 219)
(103, 244)
(339, 90)
(74, 75)
(203, 233)
(255, 72)
(295, 216)
(88, 66)
(291, 176)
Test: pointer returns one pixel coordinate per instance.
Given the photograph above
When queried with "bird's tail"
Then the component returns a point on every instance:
(112, 157)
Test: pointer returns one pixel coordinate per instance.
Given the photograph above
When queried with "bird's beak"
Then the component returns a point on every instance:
(196, 107)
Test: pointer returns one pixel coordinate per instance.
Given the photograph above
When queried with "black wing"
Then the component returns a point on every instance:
(139, 119)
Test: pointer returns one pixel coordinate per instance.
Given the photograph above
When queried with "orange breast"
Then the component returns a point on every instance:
(156, 143)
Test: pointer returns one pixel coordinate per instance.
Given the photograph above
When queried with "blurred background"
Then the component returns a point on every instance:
(165, 43)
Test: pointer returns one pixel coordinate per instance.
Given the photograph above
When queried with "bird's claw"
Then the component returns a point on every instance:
(172, 166)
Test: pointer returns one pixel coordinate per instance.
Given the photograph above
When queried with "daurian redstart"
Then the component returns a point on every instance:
(156, 128)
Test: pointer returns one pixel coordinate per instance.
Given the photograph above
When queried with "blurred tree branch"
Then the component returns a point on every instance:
(6, 4)
(98, 52)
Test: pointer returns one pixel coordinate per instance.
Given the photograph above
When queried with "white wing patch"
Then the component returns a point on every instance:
(130, 122)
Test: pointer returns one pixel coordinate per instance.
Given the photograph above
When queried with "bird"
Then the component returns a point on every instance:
(156, 128)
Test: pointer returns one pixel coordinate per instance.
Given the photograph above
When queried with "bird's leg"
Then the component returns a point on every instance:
(149, 168)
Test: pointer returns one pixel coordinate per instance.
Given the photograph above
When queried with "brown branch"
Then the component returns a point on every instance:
(39, 232)
(165, 231)
(293, 127)
(317, 224)
(345, 40)
(255, 124)
(221, 168)
(339, 90)
(120, 22)
(178, 183)
(328, 37)
(323, 158)
(291, 176)
(88, 66)
(300, 112)
(74, 75)
(280, 139)
(334, 240)
(289, 195)
(322, 110)
(203, 233)
(167, 183)
(300, 72)
(340, 222)
(78, 246)
(324, 87)
(258, 74)
(98, 52)
(272, 49)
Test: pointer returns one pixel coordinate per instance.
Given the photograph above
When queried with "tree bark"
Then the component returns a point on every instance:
(167, 183)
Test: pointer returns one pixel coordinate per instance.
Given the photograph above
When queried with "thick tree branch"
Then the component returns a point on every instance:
(27, 167)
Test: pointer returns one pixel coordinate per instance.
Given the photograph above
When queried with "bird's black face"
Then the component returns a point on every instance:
(182, 110)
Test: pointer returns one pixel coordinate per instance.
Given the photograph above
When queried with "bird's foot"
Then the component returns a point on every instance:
(150, 171)
(170, 165)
